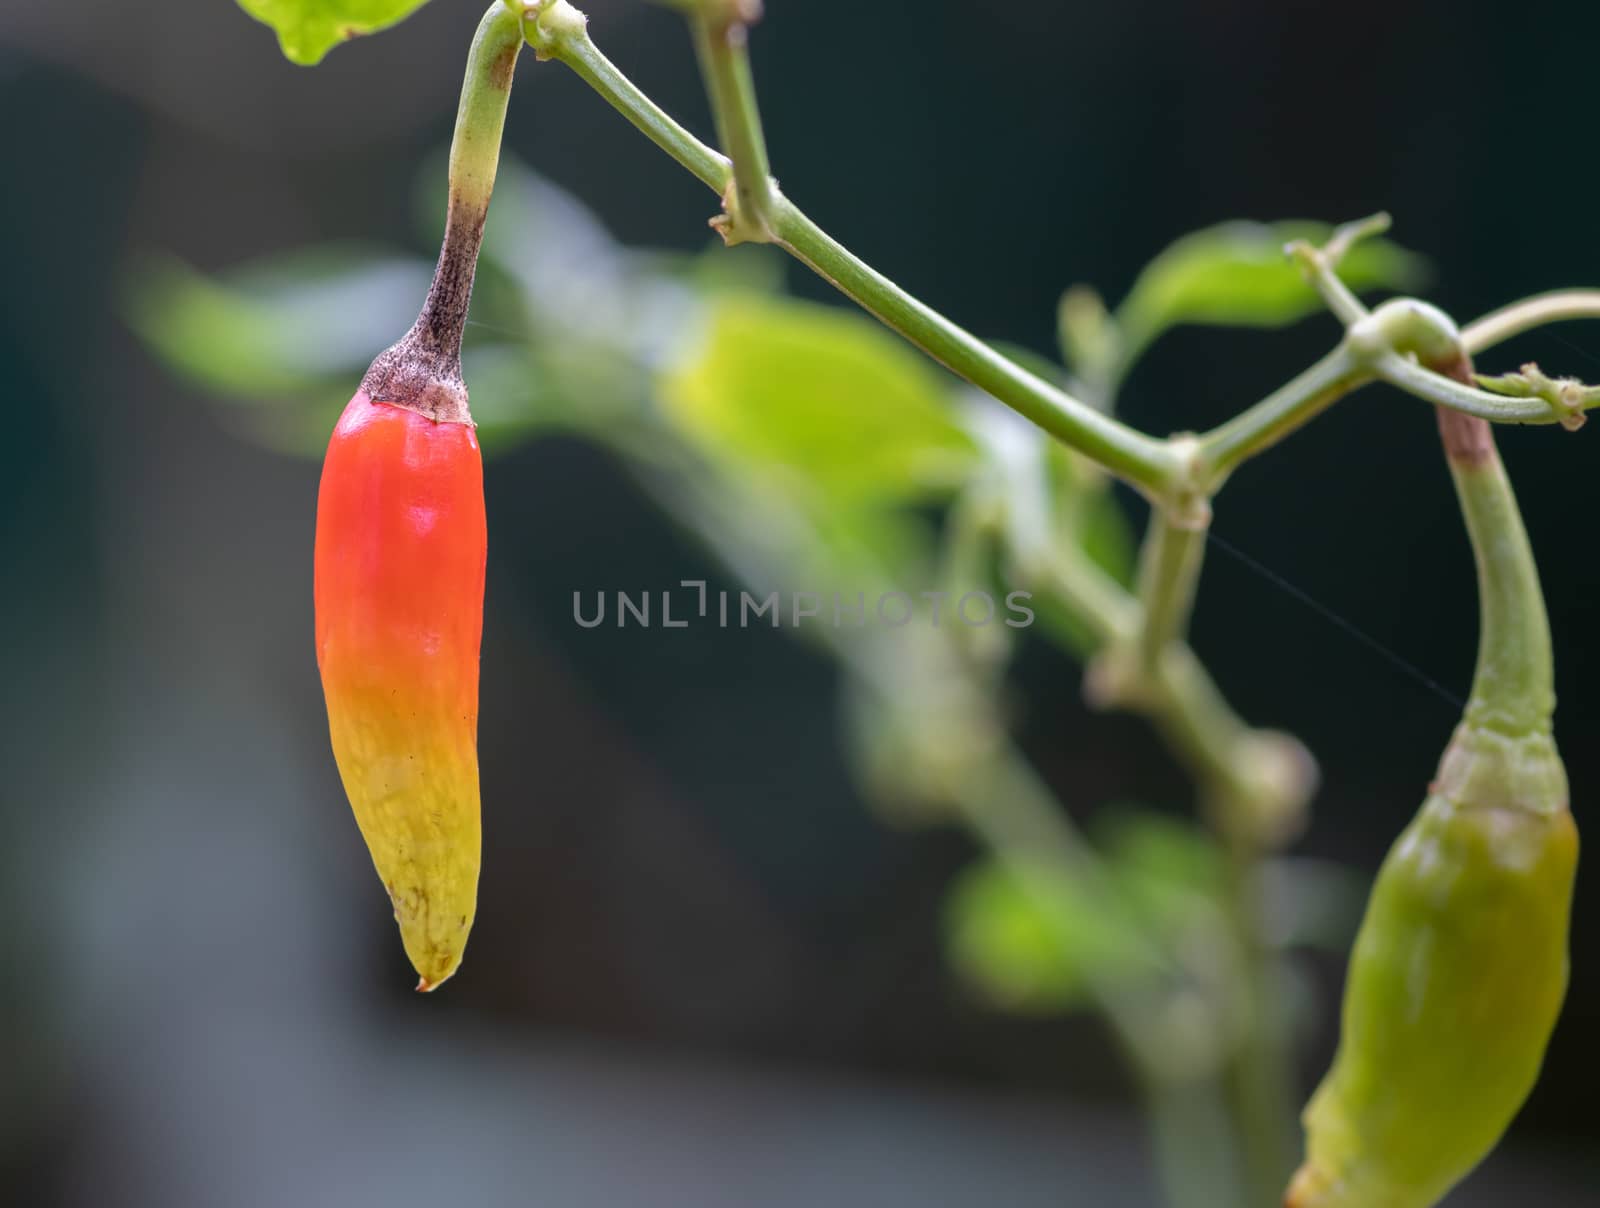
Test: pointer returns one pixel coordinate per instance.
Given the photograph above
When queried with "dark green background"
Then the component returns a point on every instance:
(702, 972)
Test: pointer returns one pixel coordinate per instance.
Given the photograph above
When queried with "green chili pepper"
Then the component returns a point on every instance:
(1460, 965)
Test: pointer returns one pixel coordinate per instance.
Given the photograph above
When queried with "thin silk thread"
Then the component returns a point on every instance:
(1338, 622)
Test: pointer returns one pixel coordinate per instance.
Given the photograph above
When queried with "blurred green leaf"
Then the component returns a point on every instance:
(1049, 496)
(903, 750)
(818, 397)
(567, 263)
(511, 394)
(603, 314)
(301, 430)
(865, 549)
(1236, 274)
(279, 327)
(1099, 524)
(748, 268)
(1087, 335)
(1035, 949)
(972, 566)
(1169, 867)
(1033, 956)
(308, 29)
(291, 336)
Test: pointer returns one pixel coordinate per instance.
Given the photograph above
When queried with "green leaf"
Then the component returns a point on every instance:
(1099, 525)
(268, 330)
(1032, 955)
(308, 29)
(1236, 274)
(819, 399)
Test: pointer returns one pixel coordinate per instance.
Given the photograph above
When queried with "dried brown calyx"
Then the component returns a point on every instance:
(422, 371)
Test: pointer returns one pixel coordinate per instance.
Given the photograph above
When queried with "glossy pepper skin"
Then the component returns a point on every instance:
(1460, 966)
(400, 554)
(1455, 983)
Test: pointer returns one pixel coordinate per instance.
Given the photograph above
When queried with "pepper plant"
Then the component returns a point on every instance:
(800, 443)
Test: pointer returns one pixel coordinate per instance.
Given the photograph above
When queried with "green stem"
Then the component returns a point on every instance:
(1139, 460)
(1194, 1144)
(481, 117)
(1255, 782)
(722, 44)
(1169, 572)
(1196, 720)
(1260, 1075)
(1283, 411)
(1183, 702)
(1555, 307)
(561, 33)
(1321, 264)
(577, 50)
(1513, 687)
(1344, 370)
(1442, 391)
(1097, 600)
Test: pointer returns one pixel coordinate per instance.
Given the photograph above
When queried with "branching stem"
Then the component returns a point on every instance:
(722, 43)
(558, 31)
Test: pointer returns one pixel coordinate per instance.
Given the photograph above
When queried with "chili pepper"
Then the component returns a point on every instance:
(399, 568)
(1460, 965)
(401, 543)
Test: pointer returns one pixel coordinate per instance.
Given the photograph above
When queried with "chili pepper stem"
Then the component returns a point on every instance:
(423, 370)
(1513, 688)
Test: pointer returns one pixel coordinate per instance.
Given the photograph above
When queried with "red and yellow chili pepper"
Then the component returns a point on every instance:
(400, 556)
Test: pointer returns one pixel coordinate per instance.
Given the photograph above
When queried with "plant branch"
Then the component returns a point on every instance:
(1283, 411)
(1556, 307)
(1140, 460)
(1255, 785)
(559, 31)
(1320, 265)
(1169, 572)
(1406, 374)
(721, 41)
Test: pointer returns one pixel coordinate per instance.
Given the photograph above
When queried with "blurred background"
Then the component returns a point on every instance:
(705, 971)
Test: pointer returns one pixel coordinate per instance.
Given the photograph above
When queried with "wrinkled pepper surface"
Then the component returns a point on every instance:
(1460, 966)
